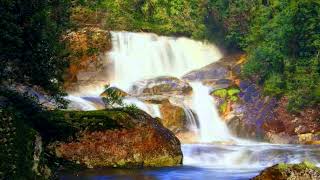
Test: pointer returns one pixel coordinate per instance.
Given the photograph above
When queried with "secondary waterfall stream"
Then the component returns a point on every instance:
(138, 56)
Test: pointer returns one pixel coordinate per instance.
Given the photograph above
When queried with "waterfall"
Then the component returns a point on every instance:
(212, 128)
(138, 56)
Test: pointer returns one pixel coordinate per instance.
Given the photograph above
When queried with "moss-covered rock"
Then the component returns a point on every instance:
(117, 138)
(302, 171)
(21, 154)
(226, 97)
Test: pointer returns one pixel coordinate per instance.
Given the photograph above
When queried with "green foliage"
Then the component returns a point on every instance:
(112, 97)
(227, 95)
(222, 93)
(30, 49)
(302, 165)
(166, 17)
(283, 50)
(233, 91)
(16, 149)
(274, 85)
(281, 39)
(229, 21)
(132, 109)
(223, 107)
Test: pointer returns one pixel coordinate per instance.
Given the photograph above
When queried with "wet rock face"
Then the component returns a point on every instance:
(256, 108)
(302, 127)
(137, 140)
(161, 85)
(173, 117)
(303, 171)
(265, 118)
(214, 71)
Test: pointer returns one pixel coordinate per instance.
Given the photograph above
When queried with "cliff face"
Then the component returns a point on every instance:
(87, 47)
(87, 43)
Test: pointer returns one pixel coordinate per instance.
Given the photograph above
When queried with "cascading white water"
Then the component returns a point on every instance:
(212, 128)
(79, 103)
(152, 109)
(138, 56)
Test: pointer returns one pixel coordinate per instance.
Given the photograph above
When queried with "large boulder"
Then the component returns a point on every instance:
(117, 138)
(302, 171)
(221, 69)
(174, 113)
(161, 85)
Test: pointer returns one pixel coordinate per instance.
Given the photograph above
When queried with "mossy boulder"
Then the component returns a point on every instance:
(21, 152)
(117, 138)
(302, 171)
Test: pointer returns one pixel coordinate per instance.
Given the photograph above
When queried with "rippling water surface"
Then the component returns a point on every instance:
(212, 162)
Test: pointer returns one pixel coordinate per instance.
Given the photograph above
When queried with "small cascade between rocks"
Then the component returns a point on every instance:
(212, 128)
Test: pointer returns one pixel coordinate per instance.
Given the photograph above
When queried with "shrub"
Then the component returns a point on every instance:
(112, 97)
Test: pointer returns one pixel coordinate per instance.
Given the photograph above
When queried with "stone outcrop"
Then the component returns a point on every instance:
(302, 127)
(250, 112)
(118, 138)
(173, 117)
(216, 71)
(162, 85)
(87, 59)
(302, 171)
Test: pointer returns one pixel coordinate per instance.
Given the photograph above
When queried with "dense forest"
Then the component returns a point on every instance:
(281, 40)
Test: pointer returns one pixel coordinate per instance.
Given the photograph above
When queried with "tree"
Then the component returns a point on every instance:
(31, 52)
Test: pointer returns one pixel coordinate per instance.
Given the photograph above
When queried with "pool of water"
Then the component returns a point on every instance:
(212, 162)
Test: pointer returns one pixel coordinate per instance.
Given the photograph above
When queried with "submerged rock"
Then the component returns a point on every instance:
(118, 138)
(302, 171)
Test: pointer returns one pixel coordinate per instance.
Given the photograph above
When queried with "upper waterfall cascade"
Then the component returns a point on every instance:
(138, 56)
